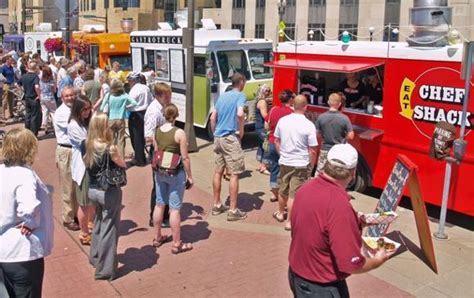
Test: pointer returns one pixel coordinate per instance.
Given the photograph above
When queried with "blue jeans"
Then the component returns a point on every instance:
(273, 158)
(170, 189)
(261, 155)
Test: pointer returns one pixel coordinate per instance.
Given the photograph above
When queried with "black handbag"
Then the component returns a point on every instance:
(110, 174)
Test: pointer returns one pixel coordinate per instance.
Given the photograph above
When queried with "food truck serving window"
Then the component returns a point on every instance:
(360, 82)
(124, 60)
(231, 62)
(158, 60)
(257, 59)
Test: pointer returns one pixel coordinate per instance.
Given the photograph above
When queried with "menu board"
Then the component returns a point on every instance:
(391, 195)
(177, 66)
(137, 59)
(404, 173)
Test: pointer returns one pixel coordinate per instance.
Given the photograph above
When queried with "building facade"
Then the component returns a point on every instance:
(327, 19)
(145, 13)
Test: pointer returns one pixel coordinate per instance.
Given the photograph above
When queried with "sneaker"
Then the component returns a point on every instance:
(216, 210)
(237, 214)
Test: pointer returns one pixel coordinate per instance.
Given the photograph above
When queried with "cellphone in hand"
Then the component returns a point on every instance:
(188, 184)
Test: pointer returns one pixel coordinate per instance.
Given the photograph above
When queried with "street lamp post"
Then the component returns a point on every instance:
(371, 31)
(281, 8)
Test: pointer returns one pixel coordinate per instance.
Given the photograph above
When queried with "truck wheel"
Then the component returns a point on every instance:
(363, 178)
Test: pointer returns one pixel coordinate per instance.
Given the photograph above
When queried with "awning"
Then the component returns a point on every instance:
(336, 65)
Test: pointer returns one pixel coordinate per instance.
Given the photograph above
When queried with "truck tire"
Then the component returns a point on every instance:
(363, 178)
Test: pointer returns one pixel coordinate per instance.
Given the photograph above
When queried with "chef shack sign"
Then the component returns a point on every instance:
(435, 95)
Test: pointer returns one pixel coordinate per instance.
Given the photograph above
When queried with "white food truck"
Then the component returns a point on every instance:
(34, 41)
(218, 54)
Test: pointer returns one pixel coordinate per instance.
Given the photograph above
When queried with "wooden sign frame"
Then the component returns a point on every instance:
(419, 210)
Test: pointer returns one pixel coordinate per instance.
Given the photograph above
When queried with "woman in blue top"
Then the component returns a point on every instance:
(115, 105)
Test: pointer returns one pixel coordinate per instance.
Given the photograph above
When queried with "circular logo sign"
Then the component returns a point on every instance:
(434, 96)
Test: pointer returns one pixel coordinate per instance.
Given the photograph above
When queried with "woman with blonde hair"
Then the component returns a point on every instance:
(26, 217)
(115, 104)
(77, 133)
(100, 153)
(170, 185)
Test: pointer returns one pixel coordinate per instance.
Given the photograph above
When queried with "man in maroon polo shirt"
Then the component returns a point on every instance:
(326, 231)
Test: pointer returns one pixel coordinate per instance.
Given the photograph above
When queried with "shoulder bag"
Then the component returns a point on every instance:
(110, 174)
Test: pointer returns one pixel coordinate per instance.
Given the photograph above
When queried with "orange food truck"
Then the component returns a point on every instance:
(104, 48)
(419, 86)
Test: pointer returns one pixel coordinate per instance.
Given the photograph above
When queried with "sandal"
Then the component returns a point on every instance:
(85, 239)
(278, 216)
(162, 240)
(273, 199)
(183, 247)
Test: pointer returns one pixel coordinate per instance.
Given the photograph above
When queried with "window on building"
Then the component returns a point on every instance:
(170, 8)
(159, 4)
(319, 31)
(317, 19)
(260, 31)
(260, 3)
(93, 4)
(126, 3)
(392, 18)
(87, 5)
(238, 3)
(106, 4)
(349, 17)
(240, 27)
(290, 30)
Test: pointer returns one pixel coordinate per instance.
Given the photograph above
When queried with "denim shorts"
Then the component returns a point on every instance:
(170, 189)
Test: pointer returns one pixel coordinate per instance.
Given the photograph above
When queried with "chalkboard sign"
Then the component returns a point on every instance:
(391, 195)
(404, 173)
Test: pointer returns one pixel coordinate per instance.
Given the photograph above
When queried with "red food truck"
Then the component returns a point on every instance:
(419, 86)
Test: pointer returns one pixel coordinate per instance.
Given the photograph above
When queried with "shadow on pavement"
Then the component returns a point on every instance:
(408, 245)
(137, 259)
(248, 202)
(128, 227)
(194, 233)
(188, 209)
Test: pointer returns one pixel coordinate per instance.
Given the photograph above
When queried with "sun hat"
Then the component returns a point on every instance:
(343, 155)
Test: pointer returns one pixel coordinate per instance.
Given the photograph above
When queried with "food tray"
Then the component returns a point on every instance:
(369, 247)
(380, 218)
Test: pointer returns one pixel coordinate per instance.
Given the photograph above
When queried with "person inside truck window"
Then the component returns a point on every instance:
(374, 87)
(309, 90)
(354, 91)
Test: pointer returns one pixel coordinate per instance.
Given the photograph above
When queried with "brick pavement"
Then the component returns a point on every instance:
(229, 259)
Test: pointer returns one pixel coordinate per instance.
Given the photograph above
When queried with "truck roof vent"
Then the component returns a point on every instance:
(430, 21)
(93, 28)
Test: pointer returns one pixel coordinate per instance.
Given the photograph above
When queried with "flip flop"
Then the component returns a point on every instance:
(278, 216)
(273, 199)
(163, 239)
(183, 247)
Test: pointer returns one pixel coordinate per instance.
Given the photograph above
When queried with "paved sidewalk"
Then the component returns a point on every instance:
(240, 259)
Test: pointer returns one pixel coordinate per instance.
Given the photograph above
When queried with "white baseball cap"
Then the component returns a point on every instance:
(343, 155)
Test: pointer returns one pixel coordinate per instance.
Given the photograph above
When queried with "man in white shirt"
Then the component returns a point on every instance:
(142, 95)
(295, 141)
(63, 158)
(154, 118)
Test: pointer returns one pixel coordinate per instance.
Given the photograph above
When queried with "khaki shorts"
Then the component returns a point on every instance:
(323, 156)
(229, 154)
(291, 179)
